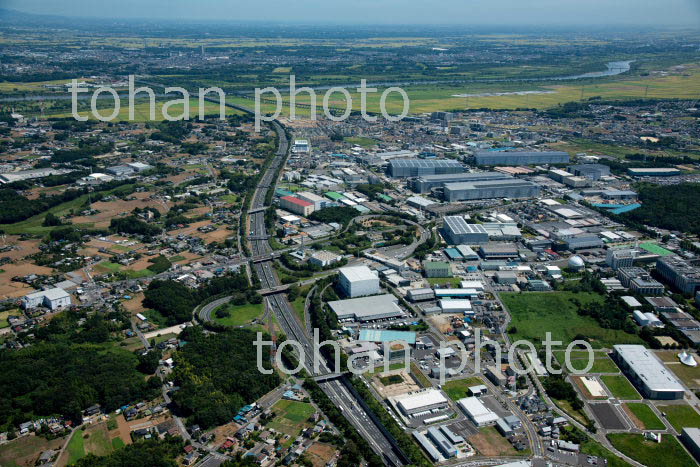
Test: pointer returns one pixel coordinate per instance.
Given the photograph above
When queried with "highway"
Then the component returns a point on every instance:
(335, 389)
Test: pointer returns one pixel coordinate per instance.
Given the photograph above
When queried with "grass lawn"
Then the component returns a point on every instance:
(155, 317)
(450, 281)
(240, 314)
(601, 363)
(363, 141)
(535, 313)
(681, 415)
(291, 417)
(667, 453)
(620, 387)
(26, 449)
(117, 443)
(594, 448)
(3, 317)
(646, 416)
(579, 415)
(422, 380)
(458, 388)
(76, 447)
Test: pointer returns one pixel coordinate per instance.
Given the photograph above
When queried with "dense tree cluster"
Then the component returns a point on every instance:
(341, 215)
(673, 207)
(176, 301)
(48, 378)
(218, 374)
(133, 225)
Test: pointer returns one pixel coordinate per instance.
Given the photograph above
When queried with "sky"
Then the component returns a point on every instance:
(665, 13)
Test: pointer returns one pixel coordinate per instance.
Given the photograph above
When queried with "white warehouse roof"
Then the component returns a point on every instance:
(477, 411)
(648, 368)
(414, 401)
(358, 273)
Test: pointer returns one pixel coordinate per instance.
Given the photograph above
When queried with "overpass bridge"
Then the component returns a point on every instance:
(254, 210)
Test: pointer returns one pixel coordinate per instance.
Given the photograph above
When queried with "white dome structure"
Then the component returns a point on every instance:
(576, 263)
(687, 359)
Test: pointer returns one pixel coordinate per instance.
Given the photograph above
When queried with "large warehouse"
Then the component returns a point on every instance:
(477, 412)
(647, 372)
(51, 299)
(507, 188)
(401, 168)
(521, 157)
(428, 182)
(416, 402)
(456, 231)
(367, 308)
(358, 281)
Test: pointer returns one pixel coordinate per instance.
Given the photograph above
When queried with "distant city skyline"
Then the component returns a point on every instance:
(667, 13)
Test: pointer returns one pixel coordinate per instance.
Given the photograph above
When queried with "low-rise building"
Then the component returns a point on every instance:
(647, 372)
(52, 299)
(477, 412)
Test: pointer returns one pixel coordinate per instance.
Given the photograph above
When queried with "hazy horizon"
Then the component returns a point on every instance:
(594, 13)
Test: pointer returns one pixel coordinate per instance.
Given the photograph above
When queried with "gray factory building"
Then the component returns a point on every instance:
(428, 182)
(647, 372)
(679, 273)
(508, 188)
(402, 168)
(521, 157)
(456, 231)
(591, 171)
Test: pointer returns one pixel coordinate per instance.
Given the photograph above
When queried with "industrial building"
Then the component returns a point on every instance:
(421, 401)
(456, 231)
(433, 453)
(421, 295)
(318, 201)
(387, 335)
(581, 242)
(365, 309)
(443, 444)
(428, 182)
(296, 205)
(690, 437)
(639, 281)
(11, 177)
(520, 157)
(437, 269)
(52, 299)
(679, 273)
(590, 171)
(324, 258)
(456, 306)
(506, 188)
(653, 172)
(402, 168)
(618, 258)
(467, 253)
(358, 281)
(647, 372)
(477, 412)
(498, 251)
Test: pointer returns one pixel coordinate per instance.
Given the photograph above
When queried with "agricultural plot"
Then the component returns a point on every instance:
(291, 418)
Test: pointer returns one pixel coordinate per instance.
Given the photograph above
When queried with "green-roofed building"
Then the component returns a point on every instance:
(437, 269)
(334, 195)
(384, 197)
(655, 249)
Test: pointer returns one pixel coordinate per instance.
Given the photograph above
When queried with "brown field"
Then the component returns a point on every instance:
(115, 208)
(25, 451)
(22, 248)
(584, 391)
(10, 289)
(134, 305)
(222, 432)
(320, 454)
(489, 442)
